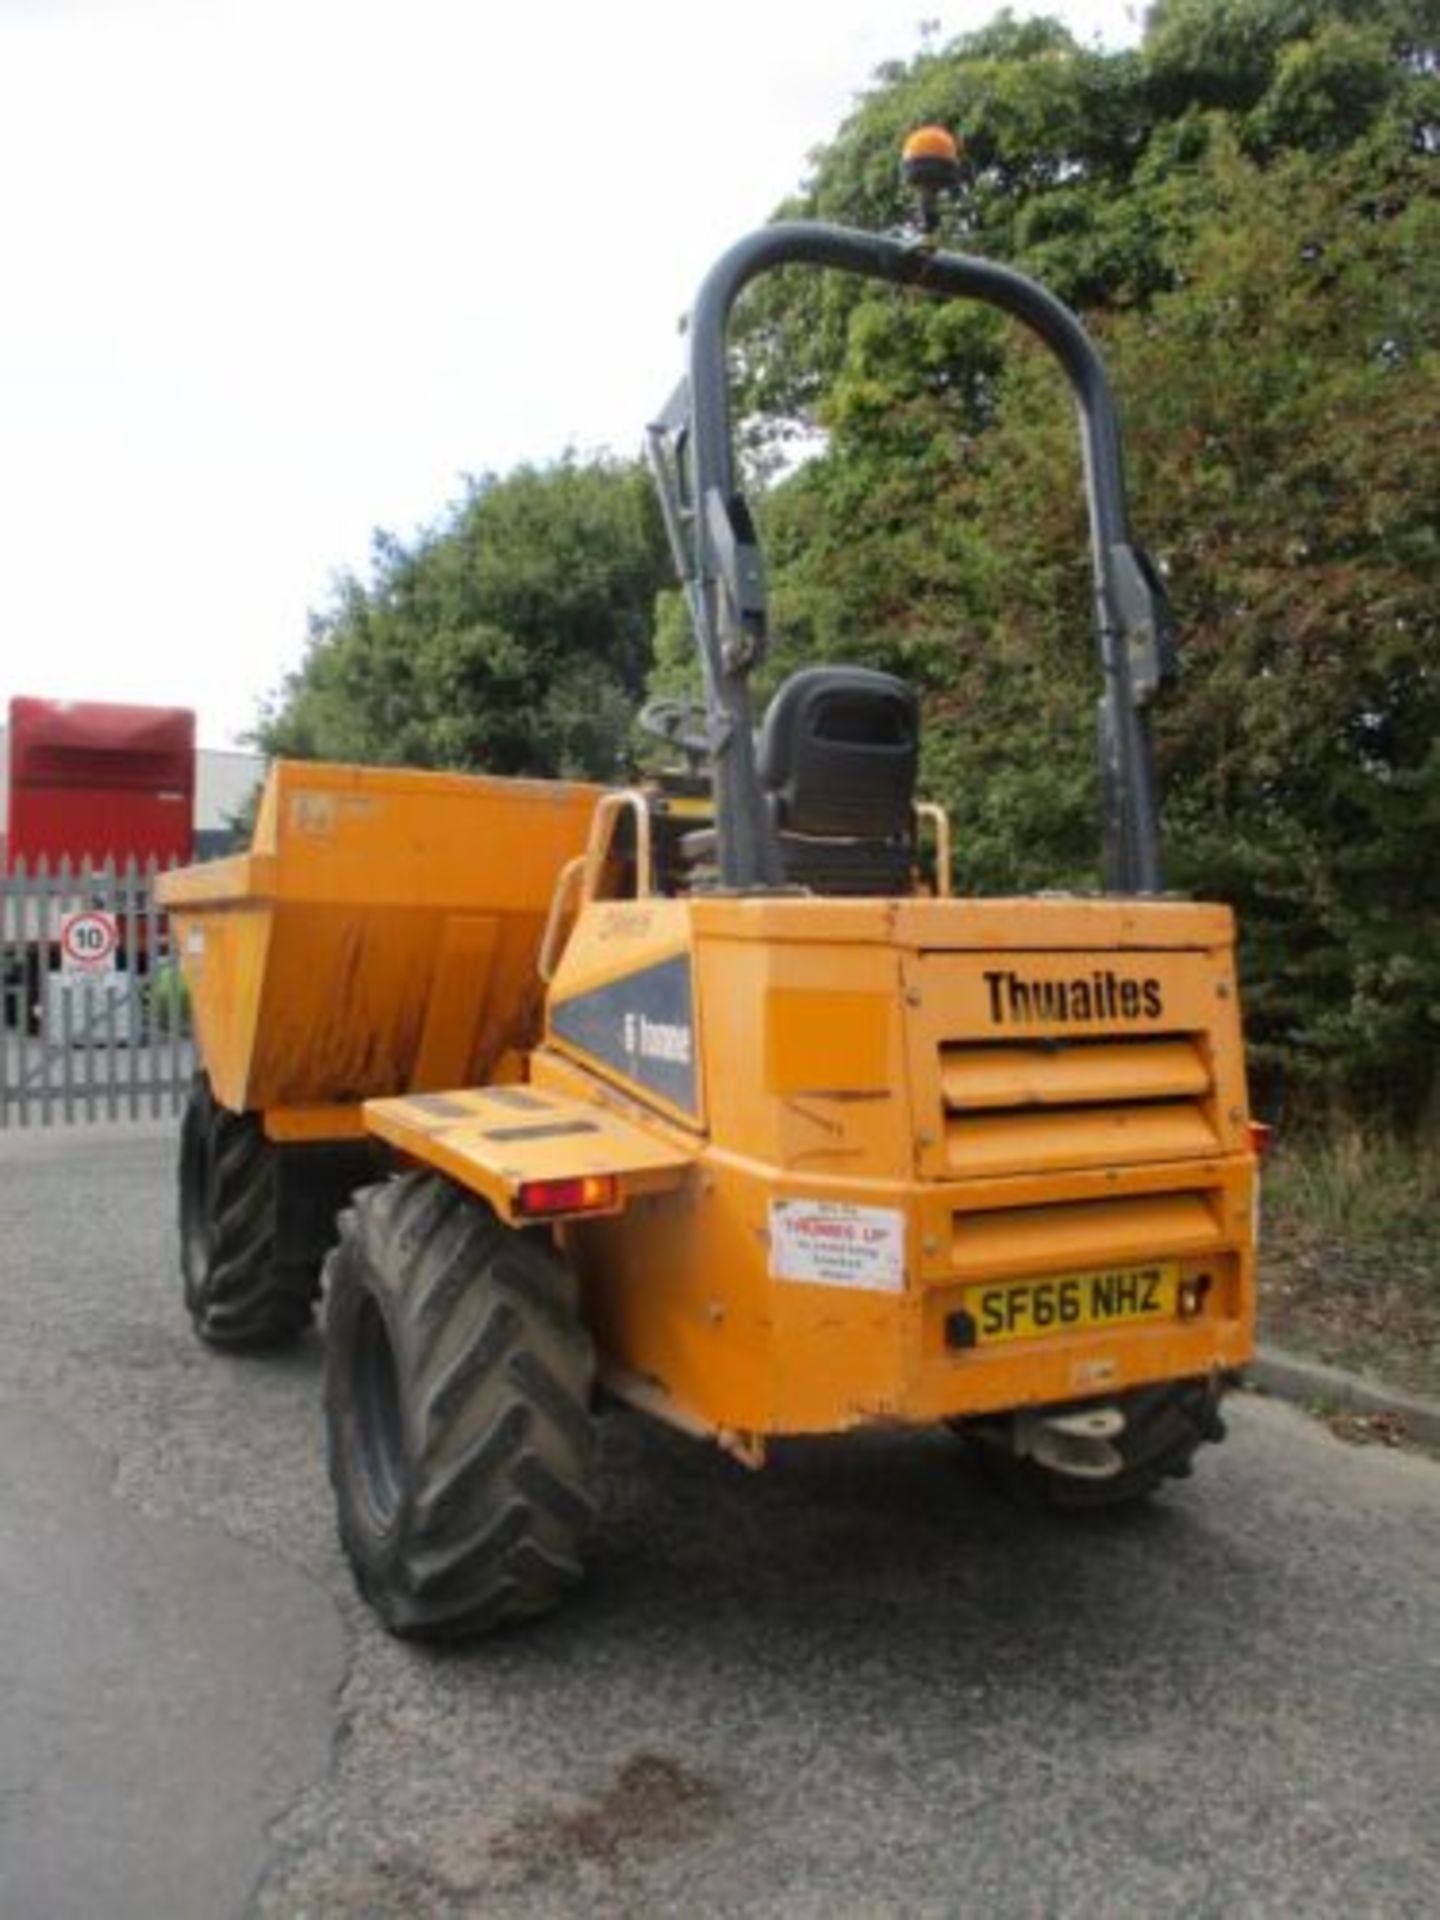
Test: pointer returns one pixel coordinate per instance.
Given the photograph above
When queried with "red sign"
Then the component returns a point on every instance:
(88, 942)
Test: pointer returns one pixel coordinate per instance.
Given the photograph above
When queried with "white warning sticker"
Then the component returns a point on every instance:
(830, 1244)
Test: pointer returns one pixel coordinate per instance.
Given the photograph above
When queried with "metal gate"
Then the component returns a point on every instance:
(96, 1021)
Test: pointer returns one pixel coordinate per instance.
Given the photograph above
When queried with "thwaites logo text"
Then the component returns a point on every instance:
(1016, 1000)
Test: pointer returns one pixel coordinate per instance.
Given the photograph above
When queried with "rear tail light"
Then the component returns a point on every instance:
(588, 1193)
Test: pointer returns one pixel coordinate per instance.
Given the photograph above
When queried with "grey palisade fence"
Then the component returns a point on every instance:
(96, 1023)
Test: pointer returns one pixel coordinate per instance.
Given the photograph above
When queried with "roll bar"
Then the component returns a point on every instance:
(718, 556)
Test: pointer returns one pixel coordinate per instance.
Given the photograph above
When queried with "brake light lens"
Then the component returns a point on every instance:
(1260, 1138)
(587, 1193)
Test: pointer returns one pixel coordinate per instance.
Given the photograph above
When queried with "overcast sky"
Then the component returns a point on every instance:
(277, 272)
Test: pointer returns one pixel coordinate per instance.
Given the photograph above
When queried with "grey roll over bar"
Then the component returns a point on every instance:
(718, 557)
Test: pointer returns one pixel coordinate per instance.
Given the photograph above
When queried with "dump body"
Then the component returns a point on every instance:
(946, 1156)
(380, 935)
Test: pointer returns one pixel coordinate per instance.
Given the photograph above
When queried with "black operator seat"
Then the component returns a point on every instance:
(838, 758)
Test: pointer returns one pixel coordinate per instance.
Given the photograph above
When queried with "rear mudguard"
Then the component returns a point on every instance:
(532, 1155)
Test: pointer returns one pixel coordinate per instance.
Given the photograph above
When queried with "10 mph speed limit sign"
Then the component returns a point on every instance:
(88, 942)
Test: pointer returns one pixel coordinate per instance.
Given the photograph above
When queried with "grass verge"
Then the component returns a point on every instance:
(1350, 1255)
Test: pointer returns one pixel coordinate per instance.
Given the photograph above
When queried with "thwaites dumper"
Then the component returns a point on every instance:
(718, 1100)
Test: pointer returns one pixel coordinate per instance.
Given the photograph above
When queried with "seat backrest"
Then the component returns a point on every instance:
(839, 754)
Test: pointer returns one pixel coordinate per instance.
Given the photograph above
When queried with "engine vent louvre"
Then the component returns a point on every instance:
(1046, 1104)
(996, 1243)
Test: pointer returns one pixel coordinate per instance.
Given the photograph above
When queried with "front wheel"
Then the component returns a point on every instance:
(457, 1390)
(238, 1290)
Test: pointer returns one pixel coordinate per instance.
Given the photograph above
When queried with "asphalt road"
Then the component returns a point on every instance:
(859, 1684)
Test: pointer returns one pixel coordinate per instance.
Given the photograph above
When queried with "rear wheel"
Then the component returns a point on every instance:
(238, 1291)
(1164, 1428)
(457, 1390)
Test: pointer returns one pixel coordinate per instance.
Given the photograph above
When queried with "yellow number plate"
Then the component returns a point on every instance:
(1029, 1309)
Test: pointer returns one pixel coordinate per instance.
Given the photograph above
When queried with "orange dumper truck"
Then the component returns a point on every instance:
(721, 1101)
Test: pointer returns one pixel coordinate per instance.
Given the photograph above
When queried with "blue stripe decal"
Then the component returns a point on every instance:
(642, 1027)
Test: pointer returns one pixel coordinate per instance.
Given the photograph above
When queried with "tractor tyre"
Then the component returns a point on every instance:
(238, 1291)
(1164, 1428)
(458, 1380)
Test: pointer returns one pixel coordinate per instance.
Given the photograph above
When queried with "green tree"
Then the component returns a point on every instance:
(514, 636)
